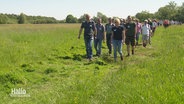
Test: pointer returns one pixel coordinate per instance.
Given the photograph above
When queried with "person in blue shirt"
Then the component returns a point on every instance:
(99, 37)
(89, 32)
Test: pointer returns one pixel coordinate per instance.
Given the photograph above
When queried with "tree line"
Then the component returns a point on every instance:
(25, 19)
(171, 11)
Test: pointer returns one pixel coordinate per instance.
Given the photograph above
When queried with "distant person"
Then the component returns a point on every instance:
(99, 37)
(151, 24)
(154, 26)
(160, 22)
(108, 30)
(130, 35)
(138, 32)
(118, 38)
(89, 32)
(145, 30)
(166, 23)
(123, 22)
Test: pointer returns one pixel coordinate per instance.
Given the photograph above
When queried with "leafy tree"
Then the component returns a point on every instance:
(82, 18)
(102, 16)
(95, 19)
(144, 15)
(22, 19)
(3, 19)
(71, 19)
(168, 12)
(180, 14)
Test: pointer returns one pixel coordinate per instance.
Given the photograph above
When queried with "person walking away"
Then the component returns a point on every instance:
(99, 37)
(145, 30)
(89, 32)
(138, 32)
(108, 30)
(118, 37)
(130, 34)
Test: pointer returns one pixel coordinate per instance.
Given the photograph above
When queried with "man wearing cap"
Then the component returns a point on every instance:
(130, 35)
(89, 32)
(145, 30)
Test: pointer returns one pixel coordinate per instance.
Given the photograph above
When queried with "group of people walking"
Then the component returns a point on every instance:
(116, 33)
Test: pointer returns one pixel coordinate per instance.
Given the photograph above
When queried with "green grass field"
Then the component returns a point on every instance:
(48, 61)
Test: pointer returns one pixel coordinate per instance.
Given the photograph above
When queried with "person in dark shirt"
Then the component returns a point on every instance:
(89, 32)
(118, 37)
(99, 37)
(108, 30)
(130, 35)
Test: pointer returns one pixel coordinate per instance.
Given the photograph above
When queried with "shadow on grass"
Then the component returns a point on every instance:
(75, 57)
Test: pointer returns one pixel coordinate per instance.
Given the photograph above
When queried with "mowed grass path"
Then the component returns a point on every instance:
(48, 61)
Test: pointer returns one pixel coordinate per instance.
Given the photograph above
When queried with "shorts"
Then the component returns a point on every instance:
(145, 37)
(130, 40)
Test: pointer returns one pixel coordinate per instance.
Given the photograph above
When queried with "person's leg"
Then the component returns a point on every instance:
(100, 47)
(144, 40)
(127, 42)
(115, 49)
(110, 45)
(128, 50)
(137, 38)
(153, 31)
(86, 45)
(108, 42)
(95, 45)
(90, 48)
(120, 49)
(133, 45)
(150, 38)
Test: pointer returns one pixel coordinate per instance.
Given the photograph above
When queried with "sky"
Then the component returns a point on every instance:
(59, 9)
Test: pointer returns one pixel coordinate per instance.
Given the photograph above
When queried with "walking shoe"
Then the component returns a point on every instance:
(121, 58)
(128, 55)
(144, 44)
(132, 52)
(90, 59)
(137, 43)
(110, 52)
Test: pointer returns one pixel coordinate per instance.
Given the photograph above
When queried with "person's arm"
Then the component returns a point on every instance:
(112, 36)
(104, 34)
(95, 32)
(135, 30)
(80, 31)
(123, 35)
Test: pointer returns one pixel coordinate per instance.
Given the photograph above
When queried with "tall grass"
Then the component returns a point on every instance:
(49, 62)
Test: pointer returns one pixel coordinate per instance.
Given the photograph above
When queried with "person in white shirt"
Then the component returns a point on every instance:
(145, 30)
